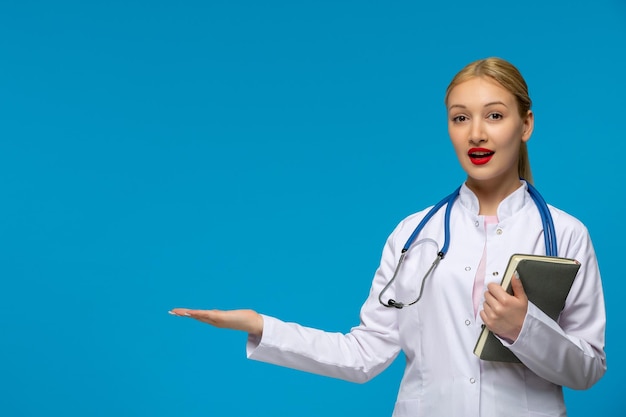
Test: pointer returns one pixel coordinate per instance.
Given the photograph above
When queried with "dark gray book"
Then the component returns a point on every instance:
(547, 281)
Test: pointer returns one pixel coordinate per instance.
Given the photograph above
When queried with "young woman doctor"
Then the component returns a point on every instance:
(494, 216)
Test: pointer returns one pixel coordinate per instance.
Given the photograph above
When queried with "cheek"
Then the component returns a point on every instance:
(453, 134)
(460, 150)
(458, 142)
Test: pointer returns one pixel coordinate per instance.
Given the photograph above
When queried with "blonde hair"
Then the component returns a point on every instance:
(509, 77)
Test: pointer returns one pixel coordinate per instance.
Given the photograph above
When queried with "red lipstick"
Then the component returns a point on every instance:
(480, 156)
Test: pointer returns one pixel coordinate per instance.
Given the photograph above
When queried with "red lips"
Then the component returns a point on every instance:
(480, 156)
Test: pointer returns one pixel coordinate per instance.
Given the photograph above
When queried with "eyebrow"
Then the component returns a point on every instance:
(492, 103)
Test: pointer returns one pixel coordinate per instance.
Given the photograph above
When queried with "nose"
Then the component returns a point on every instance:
(477, 133)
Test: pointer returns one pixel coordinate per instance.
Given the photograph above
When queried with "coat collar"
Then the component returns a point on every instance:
(513, 203)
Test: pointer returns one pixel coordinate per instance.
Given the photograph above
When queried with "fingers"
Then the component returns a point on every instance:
(497, 302)
(493, 302)
(518, 288)
(496, 292)
(211, 317)
(504, 313)
(179, 312)
(496, 295)
(245, 320)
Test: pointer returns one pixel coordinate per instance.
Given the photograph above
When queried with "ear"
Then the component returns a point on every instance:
(528, 124)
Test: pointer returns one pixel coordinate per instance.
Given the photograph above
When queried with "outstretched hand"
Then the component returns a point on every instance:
(246, 320)
(504, 313)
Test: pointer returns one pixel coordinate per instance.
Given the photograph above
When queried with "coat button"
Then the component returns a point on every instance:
(499, 231)
(468, 268)
(468, 322)
(472, 380)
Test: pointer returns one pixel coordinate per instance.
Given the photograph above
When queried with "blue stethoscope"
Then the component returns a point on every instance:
(549, 236)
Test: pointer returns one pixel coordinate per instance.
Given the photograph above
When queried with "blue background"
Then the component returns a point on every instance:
(241, 154)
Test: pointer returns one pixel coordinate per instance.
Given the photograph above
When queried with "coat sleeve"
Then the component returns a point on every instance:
(569, 352)
(357, 356)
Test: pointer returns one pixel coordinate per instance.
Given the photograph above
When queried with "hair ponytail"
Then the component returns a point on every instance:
(523, 167)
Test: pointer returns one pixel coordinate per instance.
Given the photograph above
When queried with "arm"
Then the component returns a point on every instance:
(357, 356)
(569, 352)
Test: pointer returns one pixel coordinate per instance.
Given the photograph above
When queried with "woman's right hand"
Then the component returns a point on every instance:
(245, 320)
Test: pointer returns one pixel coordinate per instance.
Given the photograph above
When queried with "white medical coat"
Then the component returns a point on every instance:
(443, 377)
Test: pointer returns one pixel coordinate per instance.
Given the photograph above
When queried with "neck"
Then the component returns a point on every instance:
(490, 194)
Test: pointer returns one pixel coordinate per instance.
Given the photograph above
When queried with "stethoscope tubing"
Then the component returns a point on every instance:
(447, 200)
(549, 235)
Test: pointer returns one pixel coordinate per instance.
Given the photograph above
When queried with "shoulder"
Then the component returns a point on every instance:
(411, 221)
(405, 227)
(415, 222)
(416, 217)
(566, 221)
(572, 234)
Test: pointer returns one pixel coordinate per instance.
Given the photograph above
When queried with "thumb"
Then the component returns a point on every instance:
(518, 288)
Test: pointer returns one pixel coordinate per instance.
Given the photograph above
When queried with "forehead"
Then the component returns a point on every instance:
(479, 91)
